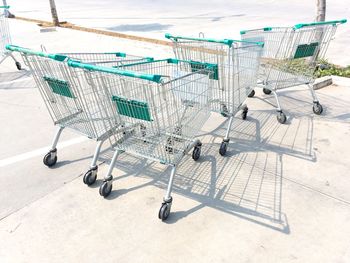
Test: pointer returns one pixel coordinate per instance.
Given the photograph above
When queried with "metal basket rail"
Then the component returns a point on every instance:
(5, 37)
(291, 55)
(109, 59)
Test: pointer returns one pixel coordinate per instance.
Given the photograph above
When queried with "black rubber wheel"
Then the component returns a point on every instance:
(196, 153)
(105, 189)
(244, 113)
(48, 161)
(317, 108)
(164, 211)
(281, 117)
(18, 65)
(267, 91)
(223, 148)
(251, 94)
(90, 177)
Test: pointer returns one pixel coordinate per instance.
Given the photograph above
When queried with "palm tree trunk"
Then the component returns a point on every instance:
(320, 10)
(54, 13)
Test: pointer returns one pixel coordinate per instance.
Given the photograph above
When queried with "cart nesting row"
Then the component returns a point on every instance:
(156, 108)
(154, 112)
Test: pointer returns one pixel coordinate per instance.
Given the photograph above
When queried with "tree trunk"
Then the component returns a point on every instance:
(320, 10)
(54, 13)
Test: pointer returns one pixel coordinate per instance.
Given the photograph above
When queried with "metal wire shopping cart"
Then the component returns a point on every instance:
(164, 103)
(237, 64)
(5, 37)
(290, 57)
(71, 102)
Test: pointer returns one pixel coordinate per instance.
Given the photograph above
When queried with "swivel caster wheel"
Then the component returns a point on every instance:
(196, 153)
(164, 210)
(18, 65)
(223, 148)
(281, 117)
(50, 159)
(244, 113)
(106, 188)
(90, 176)
(317, 108)
(251, 94)
(266, 91)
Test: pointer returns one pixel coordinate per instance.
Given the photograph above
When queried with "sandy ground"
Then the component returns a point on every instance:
(281, 194)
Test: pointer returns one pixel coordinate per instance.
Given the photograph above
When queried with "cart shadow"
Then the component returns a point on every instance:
(246, 183)
(297, 102)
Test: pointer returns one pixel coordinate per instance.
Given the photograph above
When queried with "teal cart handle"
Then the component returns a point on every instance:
(228, 42)
(149, 77)
(334, 22)
(37, 53)
(5, 6)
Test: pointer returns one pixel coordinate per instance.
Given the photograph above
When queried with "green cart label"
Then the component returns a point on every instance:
(60, 87)
(306, 50)
(132, 108)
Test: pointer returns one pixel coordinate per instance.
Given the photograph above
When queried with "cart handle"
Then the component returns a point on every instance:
(5, 6)
(228, 42)
(76, 64)
(37, 53)
(334, 22)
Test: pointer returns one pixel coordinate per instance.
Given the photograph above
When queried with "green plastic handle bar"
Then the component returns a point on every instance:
(76, 64)
(37, 53)
(168, 60)
(5, 6)
(334, 22)
(223, 41)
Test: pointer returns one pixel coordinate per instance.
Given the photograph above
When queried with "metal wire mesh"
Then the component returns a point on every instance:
(163, 117)
(237, 69)
(71, 99)
(5, 37)
(290, 55)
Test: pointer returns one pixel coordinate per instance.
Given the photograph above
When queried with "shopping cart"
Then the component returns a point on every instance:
(237, 64)
(164, 105)
(291, 56)
(5, 37)
(72, 103)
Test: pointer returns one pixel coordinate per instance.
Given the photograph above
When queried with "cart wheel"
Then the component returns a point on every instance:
(281, 117)
(49, 161)
(90, 177)
(244, 113)
(164, 211)
(317, 108)
(223, 110)
(196, 153)
(251, 94)
(266, 91)
(106, 188)
(18, 65)
(223, 148)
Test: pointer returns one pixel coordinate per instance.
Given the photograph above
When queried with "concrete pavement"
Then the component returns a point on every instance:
(281, 194)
